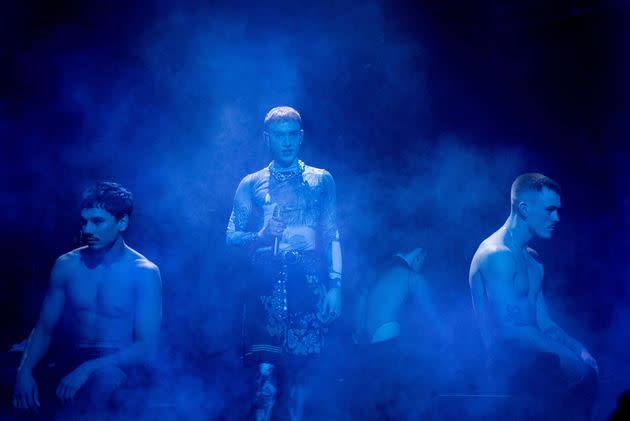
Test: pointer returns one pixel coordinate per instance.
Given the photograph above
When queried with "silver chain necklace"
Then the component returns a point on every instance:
(286, 175)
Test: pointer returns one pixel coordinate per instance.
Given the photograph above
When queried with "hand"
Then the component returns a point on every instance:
(70, 385)
(332, 305)
(589, 360)
(417, 258)
(574, 369)
(274, 228)
(25, 393)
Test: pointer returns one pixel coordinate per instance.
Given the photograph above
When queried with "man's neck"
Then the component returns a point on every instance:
(278, 166)
(517, 232)
(108, 255)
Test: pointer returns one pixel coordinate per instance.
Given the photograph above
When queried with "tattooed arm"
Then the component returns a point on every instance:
(330, 234)
(499, 272)
(332, 247)
(236, 234)
(553, 331)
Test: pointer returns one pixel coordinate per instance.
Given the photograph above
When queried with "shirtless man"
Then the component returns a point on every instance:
(112, 295)
(392, 366)
(399, 283)
(506, 285)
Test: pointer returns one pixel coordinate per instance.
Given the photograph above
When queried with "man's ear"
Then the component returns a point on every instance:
(266, 139)
(123, 223)
(523, 209)
(301, 136)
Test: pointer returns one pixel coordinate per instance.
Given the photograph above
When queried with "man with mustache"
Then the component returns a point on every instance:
(284, 217)
(112, 297)
(527, 348)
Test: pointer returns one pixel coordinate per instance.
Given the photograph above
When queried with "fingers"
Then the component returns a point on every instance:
(66, 392)
(28, 401)
(326, 308)
(22, 401)
(335, 313)
(63, 391)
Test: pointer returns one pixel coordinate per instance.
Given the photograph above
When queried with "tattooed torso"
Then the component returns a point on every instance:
(306, 203)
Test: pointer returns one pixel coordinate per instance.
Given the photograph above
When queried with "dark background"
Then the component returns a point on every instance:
(423, 113)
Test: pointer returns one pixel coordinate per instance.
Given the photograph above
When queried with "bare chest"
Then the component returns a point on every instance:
(528, 280)
(106, 292)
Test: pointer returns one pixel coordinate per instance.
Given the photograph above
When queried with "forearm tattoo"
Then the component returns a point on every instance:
(235, 233)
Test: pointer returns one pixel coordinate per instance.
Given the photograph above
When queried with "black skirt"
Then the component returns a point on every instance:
(281, 315)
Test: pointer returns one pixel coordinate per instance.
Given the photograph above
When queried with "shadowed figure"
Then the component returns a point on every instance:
(284, 217)
(528, 352)
(392, 374)
(112, 297)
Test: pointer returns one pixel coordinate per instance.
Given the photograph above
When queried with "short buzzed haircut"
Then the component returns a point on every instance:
(531, 182)
(110, 196)
(282, 114)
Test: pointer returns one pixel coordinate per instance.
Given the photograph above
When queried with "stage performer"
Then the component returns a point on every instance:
(284, 216)
(111, 297)
(527, 350)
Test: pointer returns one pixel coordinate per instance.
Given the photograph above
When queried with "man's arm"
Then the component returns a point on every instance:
(26, 394)
(330, 233)
(236, 234)
(480, 306)
(553, 331)
(332, 247)
(499, 271)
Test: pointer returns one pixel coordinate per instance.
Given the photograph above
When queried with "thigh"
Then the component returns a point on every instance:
(101, 385)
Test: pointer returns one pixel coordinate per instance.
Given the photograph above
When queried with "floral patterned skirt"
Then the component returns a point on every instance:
(281, 316)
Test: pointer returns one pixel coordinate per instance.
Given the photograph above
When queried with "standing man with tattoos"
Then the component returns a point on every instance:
(285, 216)
(506, 286)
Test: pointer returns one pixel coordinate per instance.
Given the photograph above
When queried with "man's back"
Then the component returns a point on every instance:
(387, 296)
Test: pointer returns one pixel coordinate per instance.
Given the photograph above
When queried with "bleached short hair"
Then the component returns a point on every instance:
(283, 113)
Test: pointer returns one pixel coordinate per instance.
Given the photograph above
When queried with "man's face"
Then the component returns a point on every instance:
(542, 215)
(284, 139)
(100, 228)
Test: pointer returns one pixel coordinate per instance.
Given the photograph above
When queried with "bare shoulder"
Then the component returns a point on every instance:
(534, 255)
(65, 265)
(142, 265)
(494, 258)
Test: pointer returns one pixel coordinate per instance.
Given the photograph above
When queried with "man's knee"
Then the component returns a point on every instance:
(102, 384)
(587, 386)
